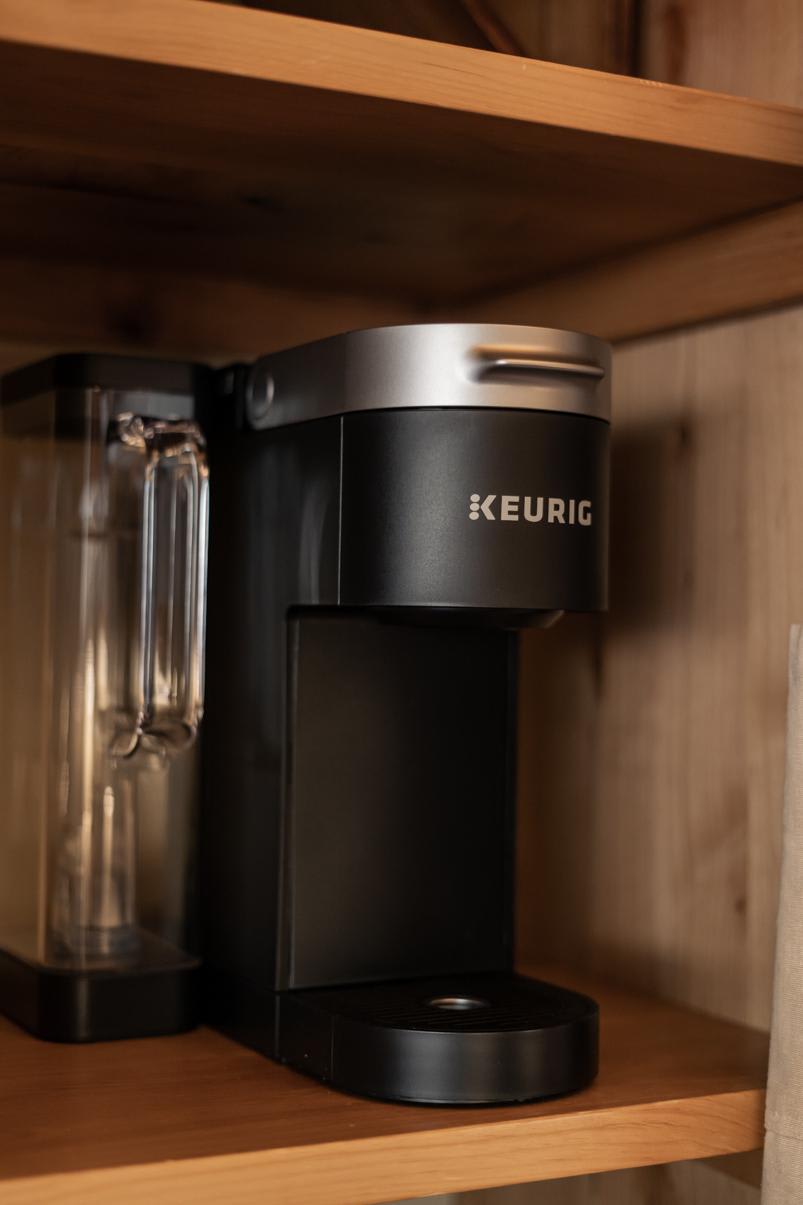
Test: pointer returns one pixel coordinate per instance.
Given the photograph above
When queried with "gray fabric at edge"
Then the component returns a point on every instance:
(783, 1152)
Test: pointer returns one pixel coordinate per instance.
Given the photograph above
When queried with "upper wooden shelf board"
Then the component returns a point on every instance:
(224, 140)
(197, 1119)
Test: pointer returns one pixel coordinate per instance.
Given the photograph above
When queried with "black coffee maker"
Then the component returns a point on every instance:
(390, 506)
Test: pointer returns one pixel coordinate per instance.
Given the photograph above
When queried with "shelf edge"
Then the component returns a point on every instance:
(196, 35)
(736, 268)
(358, 1172)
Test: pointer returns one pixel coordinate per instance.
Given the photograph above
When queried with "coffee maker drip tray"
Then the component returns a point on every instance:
(450, 1040)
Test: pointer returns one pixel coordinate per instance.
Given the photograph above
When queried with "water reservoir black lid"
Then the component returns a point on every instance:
(82, 370)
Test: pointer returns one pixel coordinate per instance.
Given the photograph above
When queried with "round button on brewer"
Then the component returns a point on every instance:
(259, 393)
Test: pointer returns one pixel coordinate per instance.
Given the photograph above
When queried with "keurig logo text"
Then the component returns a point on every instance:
(510, 508)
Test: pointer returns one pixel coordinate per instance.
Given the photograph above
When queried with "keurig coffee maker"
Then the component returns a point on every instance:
(390, 506)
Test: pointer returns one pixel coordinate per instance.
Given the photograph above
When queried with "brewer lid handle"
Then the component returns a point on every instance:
(168, 672)
(519, 363)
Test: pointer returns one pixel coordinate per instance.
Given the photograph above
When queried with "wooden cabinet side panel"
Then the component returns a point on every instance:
(653, 739)
(651, 835)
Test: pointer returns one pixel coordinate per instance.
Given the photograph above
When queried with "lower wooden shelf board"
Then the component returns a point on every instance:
(199, 1120)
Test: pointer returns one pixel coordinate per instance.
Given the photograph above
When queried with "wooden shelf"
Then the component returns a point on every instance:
(205, 179)
(736, 268)
(179, 136)
(197, 1119)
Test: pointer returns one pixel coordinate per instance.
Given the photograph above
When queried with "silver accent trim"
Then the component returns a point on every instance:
(442, 365)
(457, 1003)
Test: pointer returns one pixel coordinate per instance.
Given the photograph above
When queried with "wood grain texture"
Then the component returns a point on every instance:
(750, 47)
(653, 740)
(436, 20)
(197, 1118)
(744, 47)
(695, 743)
(673, 1184)
(192, 35)
(368, 1171)
(735, 268)
(666, 787)
(80, 306)
(307, 154)
(596, 34)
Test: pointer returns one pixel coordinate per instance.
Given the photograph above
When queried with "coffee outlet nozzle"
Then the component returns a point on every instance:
(388, 507)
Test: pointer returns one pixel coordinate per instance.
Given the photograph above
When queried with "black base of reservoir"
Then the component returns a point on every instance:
(159, 994)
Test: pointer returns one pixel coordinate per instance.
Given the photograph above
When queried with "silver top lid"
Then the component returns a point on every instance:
(462, 364)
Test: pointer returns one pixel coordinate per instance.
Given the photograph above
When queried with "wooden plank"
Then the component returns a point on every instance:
(691, 1183)
(354, 160)
(196, 1118)
(367, 1171)
(653, 740)
(750, 47)
(745, 47)
(78, 306)
(598, 34)
(199, 36)
(714, 513)
(580, 33)
(436, 20)
(753, 264)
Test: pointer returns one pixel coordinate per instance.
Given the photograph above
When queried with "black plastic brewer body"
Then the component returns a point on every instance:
(370, 563)
(489, 510)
